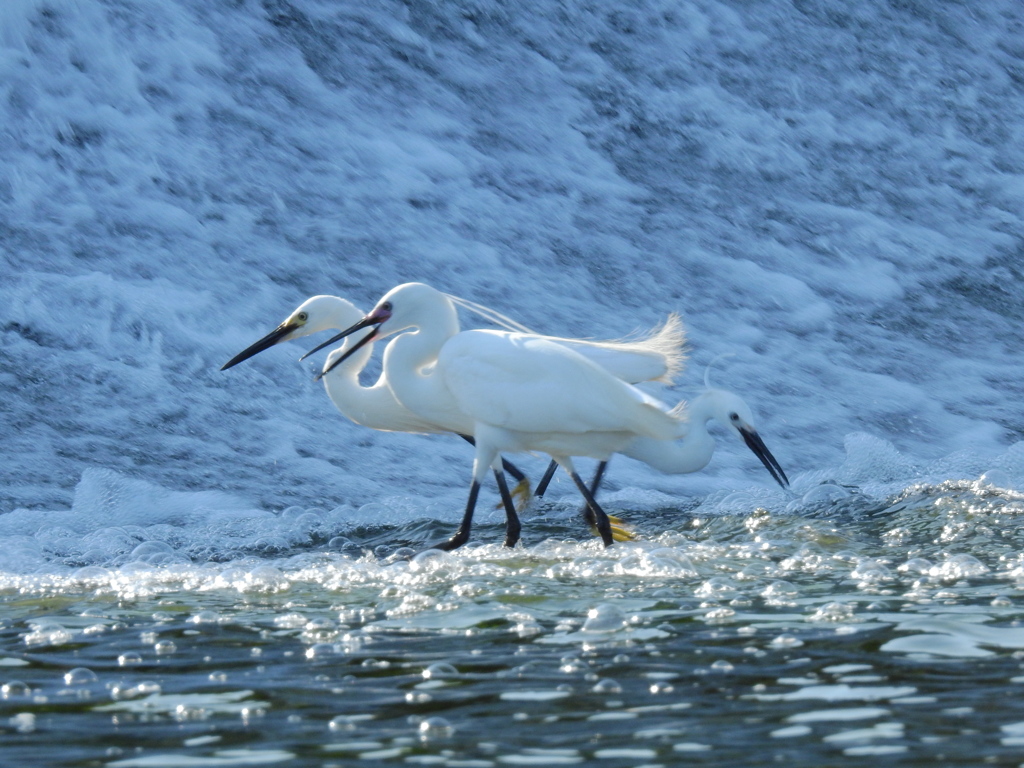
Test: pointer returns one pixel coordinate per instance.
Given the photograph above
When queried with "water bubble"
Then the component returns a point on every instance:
(148, 549)
(48, 633)
(435, 728)
(996, 478)
(428, 560)
(266, 578)
(440, 670)
(343, 723)
(833, 611)
(722, 666)
(786, 641)
(122, 692)
(320, 625)
(252, 713)
(92, 573)
(916, 565)
(738, 500)
(780, 593)
(571, 665)
(167, 558)
(469, 589)
(870, 571)
(127, 659)
(308, 522)
(24, 722)
(341, 543)
(824, 494)
(321, 650)
(607, 685)
(290, 621)
(80, 676)
(661, 687)
(205, 617)
(184, 712)
(960, 567)
(165, 647)
(1001, 601)
(719, 615)
(270, 545)
(14, 689)
(717, 587)
(604, 618)
(527, 628)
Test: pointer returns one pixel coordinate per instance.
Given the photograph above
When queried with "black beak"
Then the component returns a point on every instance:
(756, 444)
(342, 358)
(266, 342)
(366, 322)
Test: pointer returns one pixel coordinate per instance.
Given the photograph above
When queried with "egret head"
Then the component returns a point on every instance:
(404, 306)
(732, 411)
(729, 409)
(320, 313)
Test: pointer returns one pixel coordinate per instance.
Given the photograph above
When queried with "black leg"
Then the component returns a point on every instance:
(598, 477)
(517, 474)
(600, 518)
(588, 513)
(462, 535)
(512, 526)
(546, 480)
(512, 469)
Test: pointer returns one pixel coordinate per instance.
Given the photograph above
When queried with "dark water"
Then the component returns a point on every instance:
(856, 631)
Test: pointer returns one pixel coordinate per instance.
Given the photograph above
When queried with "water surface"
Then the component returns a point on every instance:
(859, 628)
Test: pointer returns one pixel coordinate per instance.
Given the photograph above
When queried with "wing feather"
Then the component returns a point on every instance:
(527, 383)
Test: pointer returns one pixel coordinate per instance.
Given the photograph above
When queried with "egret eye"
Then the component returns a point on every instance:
(386, 306)
(303, 317)
(734, 416)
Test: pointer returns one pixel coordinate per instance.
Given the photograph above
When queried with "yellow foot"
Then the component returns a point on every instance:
(620, 530)
(521, 495)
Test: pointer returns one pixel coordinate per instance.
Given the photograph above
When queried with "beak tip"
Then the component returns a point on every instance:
(756, 444)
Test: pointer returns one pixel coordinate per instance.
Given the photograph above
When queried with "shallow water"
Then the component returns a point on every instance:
(859, 628)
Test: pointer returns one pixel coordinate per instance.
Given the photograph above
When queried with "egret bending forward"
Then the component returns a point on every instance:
(519, 391)
(694, 451)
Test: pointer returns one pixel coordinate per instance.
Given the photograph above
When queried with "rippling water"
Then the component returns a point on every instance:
(843, 630)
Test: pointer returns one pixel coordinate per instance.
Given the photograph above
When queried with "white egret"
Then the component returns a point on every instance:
(520, 392)
(374, 406)
(693, 452)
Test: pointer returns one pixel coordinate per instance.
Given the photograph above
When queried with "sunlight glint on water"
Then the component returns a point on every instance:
(841, 635)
